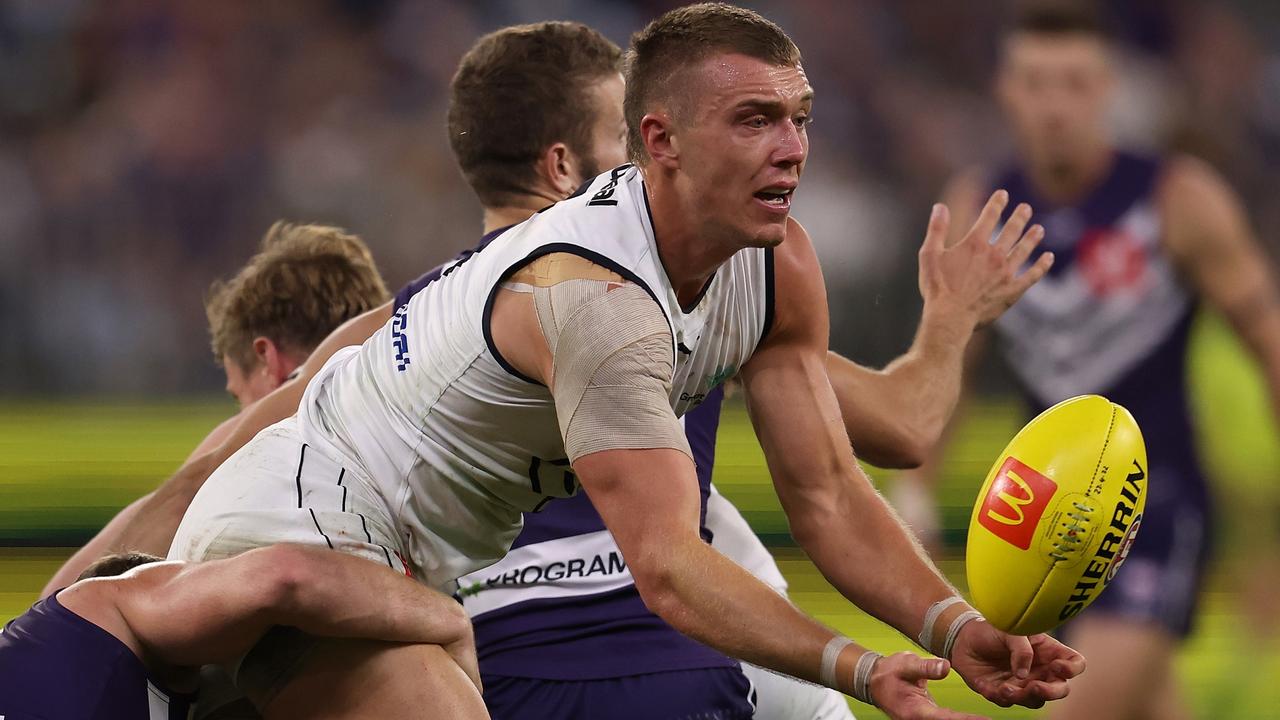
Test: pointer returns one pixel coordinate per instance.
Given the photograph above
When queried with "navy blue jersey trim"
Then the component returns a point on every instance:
(406, 293)
(342, 472)
(769, 297)
(550, 249)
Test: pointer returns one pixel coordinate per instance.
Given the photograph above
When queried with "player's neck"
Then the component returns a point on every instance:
(496, 218)
(689, 256)
(1069, 183)
(515, 209)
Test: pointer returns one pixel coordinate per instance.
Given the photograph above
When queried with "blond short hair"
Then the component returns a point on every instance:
(304, 282)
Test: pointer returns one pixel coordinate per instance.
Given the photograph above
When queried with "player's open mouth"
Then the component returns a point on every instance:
(777, 199)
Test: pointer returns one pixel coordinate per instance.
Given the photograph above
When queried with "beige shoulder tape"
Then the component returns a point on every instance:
(559, 267)
(612, 365)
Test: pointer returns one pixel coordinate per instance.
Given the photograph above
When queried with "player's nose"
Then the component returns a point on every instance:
(792, 148)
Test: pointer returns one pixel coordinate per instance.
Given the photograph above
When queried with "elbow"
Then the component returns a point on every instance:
(282, 573)
(914, 446)
(657, 585)
(904, 447)
(457, 623)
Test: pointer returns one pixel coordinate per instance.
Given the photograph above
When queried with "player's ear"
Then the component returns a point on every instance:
(270, 358)
(560, 169)
(659, 142)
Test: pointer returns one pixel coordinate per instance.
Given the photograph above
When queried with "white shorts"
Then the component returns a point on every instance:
(277, 489)
(779, 697)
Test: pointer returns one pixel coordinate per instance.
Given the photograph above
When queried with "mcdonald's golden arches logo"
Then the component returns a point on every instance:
(1016, 501)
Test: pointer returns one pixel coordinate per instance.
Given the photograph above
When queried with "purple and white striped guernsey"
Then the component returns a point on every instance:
(1113, 317)
(56, 665)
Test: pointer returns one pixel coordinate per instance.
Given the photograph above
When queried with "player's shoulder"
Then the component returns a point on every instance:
(799, 293)
(1184, 177)
(1194, 197)
(796, 253)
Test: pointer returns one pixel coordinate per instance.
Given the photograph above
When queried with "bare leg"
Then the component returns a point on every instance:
(1129, 667)
(361, 679)
(1166, 701)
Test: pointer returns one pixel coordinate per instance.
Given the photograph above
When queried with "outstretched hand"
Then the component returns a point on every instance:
(1013, 669)
(898, 688)
(978, 278)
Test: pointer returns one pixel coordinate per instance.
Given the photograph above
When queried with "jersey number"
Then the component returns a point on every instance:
(551, 473)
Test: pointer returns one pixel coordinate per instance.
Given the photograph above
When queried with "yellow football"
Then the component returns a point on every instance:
(1057, 515)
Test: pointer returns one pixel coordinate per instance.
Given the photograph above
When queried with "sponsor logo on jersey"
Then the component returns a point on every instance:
(1114, 547)
(1112, 260)
(602, 564)
(604, 196)
(1015, 502)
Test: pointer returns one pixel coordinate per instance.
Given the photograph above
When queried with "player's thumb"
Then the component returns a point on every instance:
(926, 669)
(1020, 655)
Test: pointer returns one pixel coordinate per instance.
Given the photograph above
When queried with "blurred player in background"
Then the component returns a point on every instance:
(596, 625)
(304, 282)
(121, 645)
(1140, 241)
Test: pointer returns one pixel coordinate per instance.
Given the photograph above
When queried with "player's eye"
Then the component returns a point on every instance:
(803, 121)
(757, 121)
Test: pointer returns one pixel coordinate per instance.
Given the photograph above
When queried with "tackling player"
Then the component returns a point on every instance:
(1141, 241)
(580, 333)
(129, 647)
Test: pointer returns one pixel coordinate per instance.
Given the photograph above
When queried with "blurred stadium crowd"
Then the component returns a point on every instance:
(146, 145)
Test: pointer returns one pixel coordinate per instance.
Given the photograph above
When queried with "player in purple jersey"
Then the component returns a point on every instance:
(1140, 241)
(126, 643)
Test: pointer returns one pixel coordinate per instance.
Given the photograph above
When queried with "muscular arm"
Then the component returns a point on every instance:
(837, 516)
(1208, 235)
(835, 513)
(199, 613)
(149, 523)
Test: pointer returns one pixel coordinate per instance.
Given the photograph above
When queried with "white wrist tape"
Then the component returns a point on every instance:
(829, 655)
(953, 632)
(931, 618)
(862, 677)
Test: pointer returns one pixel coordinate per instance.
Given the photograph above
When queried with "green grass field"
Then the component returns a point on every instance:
(65, 467)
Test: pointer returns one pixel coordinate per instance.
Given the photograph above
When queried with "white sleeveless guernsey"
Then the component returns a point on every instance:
(455, 441)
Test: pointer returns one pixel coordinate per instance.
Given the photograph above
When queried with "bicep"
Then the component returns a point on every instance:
(649, 500)
(797, 419)
(789, 395)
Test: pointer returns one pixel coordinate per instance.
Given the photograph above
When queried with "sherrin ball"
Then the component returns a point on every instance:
(1057, 515)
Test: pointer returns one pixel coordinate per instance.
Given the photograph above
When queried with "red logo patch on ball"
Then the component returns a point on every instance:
(1015, 502)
